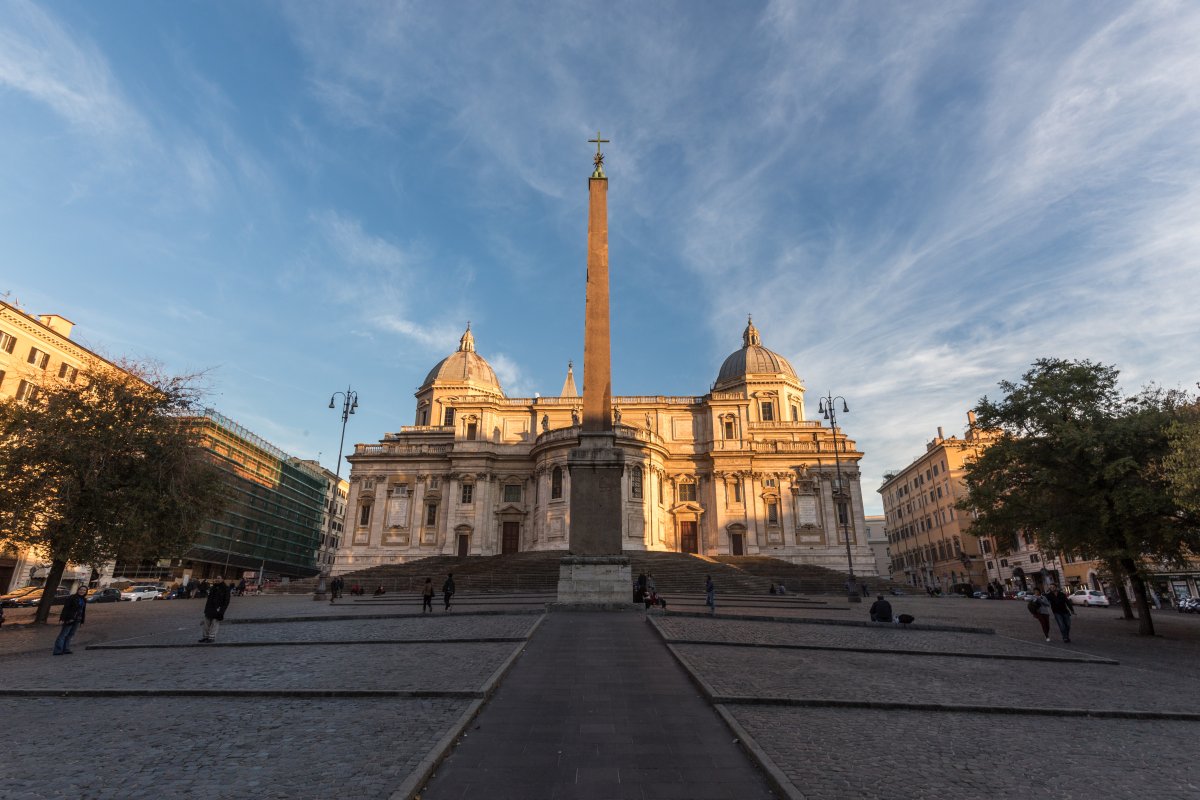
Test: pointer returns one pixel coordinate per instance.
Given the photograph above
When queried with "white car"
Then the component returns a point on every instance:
(1088, 597)
(140, 593)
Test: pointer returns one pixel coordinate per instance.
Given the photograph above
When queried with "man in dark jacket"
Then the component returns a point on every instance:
(71, 618)
(1060, 607)
(448, 590)
(214, 609)
(881, 610)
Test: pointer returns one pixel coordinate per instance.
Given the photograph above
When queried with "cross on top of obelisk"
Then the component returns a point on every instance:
(598, 159)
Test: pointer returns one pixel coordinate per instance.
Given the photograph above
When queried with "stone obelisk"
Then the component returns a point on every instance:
(596, 574)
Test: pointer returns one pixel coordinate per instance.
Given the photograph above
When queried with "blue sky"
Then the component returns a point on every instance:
(915, 200)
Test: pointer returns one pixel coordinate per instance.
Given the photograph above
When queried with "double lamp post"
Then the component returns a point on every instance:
(829, 412)
(349, 404)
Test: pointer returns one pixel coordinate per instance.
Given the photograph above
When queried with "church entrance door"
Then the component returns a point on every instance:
(687, 537)
(737, 544)
(511, 540)
(464, 545)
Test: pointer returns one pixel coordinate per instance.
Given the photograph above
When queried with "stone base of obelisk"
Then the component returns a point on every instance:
(595, 576)
(594, 583)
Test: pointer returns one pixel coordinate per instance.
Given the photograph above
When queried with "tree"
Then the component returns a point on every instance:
(1182, 464)
(1079, 466)
(104, 468)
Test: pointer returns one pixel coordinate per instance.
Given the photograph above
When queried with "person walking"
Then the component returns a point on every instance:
(427, 597)
(214, 610)
(710, 595)
(1060, 606)
(1039, 607)
(448, 590)
(639, 588)
(71, 618)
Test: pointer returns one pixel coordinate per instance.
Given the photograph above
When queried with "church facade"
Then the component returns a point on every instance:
(737, 471)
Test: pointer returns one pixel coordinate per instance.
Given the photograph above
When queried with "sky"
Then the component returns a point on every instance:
(914, 200)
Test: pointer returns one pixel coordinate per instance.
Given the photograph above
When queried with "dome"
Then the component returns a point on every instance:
(465, 366)
(752, 359)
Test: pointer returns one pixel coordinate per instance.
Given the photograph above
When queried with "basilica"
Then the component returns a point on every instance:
(737, 471)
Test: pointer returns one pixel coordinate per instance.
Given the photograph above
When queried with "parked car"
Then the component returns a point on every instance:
(1088, 597)
(134, 593)
(11, 600)
(35, 598)
(109, 595)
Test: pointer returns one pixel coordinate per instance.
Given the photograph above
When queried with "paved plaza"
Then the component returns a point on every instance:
(372, 700)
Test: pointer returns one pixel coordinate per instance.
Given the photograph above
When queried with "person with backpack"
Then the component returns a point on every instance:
(1039, 607)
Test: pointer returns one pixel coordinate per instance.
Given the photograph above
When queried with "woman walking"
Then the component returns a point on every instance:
(1039, 607)
(427, 597)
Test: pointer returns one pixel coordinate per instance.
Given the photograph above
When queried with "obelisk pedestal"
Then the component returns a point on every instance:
(596, 575)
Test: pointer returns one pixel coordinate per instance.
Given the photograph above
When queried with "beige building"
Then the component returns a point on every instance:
(739, 470)
(878, 542)
(928, 537)
(35, 349)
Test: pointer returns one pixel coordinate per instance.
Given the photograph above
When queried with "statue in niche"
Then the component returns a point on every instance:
(545, 422)
(574, 416)
(649, 422)
(617, 416)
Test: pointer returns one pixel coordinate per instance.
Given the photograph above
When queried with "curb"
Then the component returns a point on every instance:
(350, 617)
(212, 645)
(955, 708)
(409, 788)
(940, 653)
(308, 694)
(851, 623)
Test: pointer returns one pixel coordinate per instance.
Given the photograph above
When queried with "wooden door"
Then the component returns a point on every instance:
(737, 544)
(687, 537)
(511, 539)
(464, 545)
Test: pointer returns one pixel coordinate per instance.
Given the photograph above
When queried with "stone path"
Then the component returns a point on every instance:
(596, 707)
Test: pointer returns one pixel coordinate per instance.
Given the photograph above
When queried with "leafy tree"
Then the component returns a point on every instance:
(1182, 464)
(104, 468)
(1079, 466)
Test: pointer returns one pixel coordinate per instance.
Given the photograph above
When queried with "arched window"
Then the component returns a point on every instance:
(556, 483)
(635, 483)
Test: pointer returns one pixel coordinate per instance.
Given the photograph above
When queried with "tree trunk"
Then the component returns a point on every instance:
(1145, 623)
(50, 590)
(1115, 568)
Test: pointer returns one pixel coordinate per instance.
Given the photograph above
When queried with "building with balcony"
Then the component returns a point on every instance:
(737, 471)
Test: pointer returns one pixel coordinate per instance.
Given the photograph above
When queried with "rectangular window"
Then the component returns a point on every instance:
(7, 342)
(768, 411)
(448, 417)
(795, 414)
(935, 469)
(468, 493)
(1034, 558)
(1, 377)
(431, 514)
(472, 430)
(1004, 562)
(38, 358)
(434, 482)
(26, 391)
(989, 565)
(737, 491)
(769, 483)
(364, 514)
(772, 513)
(939, 491)
(687, 492)
(728, 429)
(843, 513)
(512, 492)
(68, 373)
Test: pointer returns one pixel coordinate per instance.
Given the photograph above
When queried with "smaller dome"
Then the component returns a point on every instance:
(465, 366)
(752, 359)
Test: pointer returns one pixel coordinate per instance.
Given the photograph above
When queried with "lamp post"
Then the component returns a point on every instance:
(349, 404)
(829, 412)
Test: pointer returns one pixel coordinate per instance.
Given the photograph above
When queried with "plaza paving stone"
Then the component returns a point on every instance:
(884, 639)
(136, 748)
(848, 754)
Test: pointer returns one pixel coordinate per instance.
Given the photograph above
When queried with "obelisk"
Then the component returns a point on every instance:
(596, 574)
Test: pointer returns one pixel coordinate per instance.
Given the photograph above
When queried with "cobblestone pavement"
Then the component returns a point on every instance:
(834, 636)
(216, 748)
(908, 755)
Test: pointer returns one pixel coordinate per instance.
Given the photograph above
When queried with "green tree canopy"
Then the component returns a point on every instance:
(1182, 464)
(1079, 465)
(104, 468)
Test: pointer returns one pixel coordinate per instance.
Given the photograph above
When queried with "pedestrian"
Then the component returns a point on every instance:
(650, 585)
(448, 589)
(639, 587)
(710, 595)
(71, 618)
(214, 609)
(1060, 606)
(881, 610)
(241, 589)
(427, 597)
(1039, 607)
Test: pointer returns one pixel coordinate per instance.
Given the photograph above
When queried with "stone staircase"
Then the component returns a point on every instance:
(537, 572)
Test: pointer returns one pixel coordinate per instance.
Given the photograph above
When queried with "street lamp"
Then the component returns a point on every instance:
(349, 404)
(829, 412)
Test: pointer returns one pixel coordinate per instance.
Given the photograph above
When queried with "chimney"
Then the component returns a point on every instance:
(941, 435)
(971, 419)
(60, 325)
